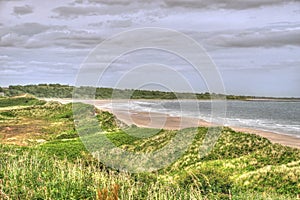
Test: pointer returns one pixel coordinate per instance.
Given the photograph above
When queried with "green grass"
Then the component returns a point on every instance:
(240, 166)
(31, 174)
(22, 101)
(71, 149)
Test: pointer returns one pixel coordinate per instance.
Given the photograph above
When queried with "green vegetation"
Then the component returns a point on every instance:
(41, 90)
(24, 101)
(66, 91)
(42, 157)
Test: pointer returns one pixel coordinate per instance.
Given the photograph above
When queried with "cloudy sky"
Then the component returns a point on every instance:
(255, 44)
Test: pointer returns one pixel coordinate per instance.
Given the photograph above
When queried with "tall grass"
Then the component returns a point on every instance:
(33, 175)
(241, 166)
(26, 174)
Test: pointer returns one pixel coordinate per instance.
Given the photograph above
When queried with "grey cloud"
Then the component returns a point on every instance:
(29, 29)
(21, 67)
(77, 41)
(52, 67)
(257, 38)
(12, 40)
(66, 41)
(104, 8)
(119, 2)
(114, 2)
(18, 35)
(74, 39)
(26, 29)
(229, 4)
(119, 23)
(72, 12)
(23, 10)
(43, 36)
(98, 24)
(197, 4)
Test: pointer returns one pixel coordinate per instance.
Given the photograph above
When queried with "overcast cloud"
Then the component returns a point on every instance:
(255, 44)
(23, 10)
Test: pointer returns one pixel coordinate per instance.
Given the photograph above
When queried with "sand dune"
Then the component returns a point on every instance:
(165, 121)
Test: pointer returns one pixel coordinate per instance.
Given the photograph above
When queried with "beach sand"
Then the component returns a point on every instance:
(165, 121)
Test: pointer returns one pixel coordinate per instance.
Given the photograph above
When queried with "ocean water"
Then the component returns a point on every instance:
(275, 116)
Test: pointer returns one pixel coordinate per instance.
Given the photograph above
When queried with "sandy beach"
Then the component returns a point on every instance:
(165, 121)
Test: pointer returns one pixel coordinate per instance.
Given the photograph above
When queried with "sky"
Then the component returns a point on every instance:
(255, 44)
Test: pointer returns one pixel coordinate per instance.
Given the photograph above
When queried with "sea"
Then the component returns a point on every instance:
(281, 117)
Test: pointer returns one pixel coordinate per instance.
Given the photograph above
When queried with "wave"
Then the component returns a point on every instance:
(243, 118)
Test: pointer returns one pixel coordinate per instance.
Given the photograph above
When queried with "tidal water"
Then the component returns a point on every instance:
(275, 116)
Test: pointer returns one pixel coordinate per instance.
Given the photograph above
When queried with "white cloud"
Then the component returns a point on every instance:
(12, 39)
(49, 39)
(4, 58)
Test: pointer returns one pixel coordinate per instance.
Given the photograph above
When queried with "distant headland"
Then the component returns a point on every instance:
(67, 91)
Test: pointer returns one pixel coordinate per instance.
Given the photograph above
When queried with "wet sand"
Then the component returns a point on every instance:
(283, 139)
(165, 121)
(158, 120)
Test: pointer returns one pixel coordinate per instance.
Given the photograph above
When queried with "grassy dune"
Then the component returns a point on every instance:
(42, 157)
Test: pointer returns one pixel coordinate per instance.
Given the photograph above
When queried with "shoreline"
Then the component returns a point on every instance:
(204, 100)
(279, 138)
(166, 121)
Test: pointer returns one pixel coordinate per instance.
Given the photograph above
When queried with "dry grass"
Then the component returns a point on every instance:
(106, 194)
